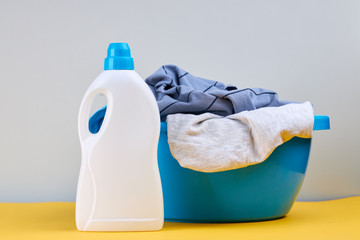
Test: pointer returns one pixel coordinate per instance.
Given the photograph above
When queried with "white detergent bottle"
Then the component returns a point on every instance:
(119, 186)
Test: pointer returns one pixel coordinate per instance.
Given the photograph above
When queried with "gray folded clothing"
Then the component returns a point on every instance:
(212, 143)
(177, 91)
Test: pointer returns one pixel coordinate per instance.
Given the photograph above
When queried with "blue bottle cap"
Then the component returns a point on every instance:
(118, 57)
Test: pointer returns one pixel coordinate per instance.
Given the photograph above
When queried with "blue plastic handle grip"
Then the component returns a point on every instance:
(321, 122)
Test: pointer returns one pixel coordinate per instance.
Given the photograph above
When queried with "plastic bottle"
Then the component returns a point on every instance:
(119, 186)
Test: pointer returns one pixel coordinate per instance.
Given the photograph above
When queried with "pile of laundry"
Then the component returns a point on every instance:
(215, 127)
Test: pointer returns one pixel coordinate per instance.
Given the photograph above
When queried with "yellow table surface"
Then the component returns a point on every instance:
(335, 219)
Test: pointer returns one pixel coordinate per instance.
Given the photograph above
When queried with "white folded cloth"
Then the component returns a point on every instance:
(212, 143)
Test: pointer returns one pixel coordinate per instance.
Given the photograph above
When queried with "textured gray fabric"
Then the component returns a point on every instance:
(211, 143)
(177, 91)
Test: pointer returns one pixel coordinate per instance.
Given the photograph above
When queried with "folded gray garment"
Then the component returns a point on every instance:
(177, 91)
(212, 143)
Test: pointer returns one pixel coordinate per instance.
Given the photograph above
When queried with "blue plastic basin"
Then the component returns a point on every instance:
(259, 192)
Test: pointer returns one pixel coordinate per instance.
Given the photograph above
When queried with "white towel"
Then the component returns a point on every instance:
(212, 143)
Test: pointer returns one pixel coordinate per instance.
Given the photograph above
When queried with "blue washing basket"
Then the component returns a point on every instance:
(259, 192)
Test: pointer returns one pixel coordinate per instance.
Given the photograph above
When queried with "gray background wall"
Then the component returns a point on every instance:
(50, 51)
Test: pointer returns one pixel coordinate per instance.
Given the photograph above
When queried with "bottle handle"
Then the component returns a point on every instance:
(83, 118)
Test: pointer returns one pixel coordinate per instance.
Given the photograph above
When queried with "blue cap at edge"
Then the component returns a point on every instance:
(118, 57)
